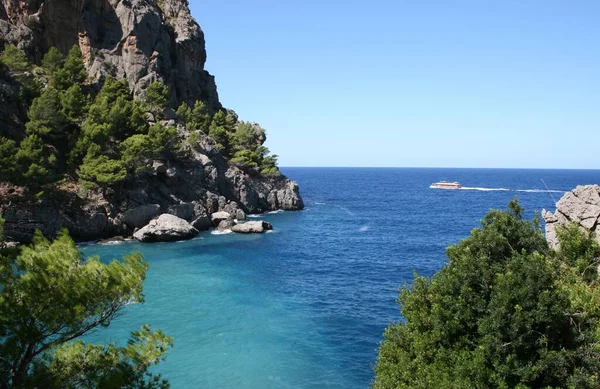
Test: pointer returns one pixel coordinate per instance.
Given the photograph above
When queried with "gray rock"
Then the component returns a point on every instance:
(166, 228)
(218, 217)
(580, 206)
(172, 172)
(240, 215)
(169, 114)
(159, 167)
(225, 225)
(140, 216)
(184, 211)
(139, 40)
(202, 223)
(253, 227)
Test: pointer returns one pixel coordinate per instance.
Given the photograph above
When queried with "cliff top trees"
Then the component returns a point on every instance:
(49, 297)
(504, 312)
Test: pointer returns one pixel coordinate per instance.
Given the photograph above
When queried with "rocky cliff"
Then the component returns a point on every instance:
(580, 206)
(140, 41)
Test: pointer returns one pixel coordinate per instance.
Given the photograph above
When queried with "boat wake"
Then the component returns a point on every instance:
(506, 190)
(541, 191)
(484, 189)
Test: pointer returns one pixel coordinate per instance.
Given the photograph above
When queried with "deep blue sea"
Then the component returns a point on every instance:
(306, 305)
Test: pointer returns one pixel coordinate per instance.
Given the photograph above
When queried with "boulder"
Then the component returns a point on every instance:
(580, 206)
(140, 216)
(202, 223)
(184, 211)
(225, 225)
(253, 227)
(166, 228)
(218, 217)
(240, 215)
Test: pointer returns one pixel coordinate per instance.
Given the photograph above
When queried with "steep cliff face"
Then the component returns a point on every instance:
(580, 206)
(139, 40)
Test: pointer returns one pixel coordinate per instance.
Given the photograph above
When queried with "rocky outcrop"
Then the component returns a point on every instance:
(140, 216)
(580, 206)
(252, 227)
(167, 228)
(139, 40)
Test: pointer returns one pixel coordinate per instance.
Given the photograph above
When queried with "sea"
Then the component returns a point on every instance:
(305, 305)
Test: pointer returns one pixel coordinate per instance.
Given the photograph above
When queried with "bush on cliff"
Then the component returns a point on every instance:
(50, 296)
(103, 139)
(504, 312)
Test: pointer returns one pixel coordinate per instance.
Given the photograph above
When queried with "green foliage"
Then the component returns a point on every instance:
(72, 72)
(15, 59)
(245, 158)
(115, 107)
(1, 229)
(8, 167)
(50, 297)
(46, 117)
(156, 96)
(99, 169)
(196, 118)
(31, 160)
(164, 140)
(20, 69)
(52, 61)
(504, 312)
(268, 166)
(74, 103)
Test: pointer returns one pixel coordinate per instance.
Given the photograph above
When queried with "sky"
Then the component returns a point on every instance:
(431, 83)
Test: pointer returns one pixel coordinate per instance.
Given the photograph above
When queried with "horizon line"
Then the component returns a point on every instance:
(433, 167)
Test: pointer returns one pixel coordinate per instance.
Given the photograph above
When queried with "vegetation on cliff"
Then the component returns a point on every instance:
(50, 296)
(505, 312)
(102, 137)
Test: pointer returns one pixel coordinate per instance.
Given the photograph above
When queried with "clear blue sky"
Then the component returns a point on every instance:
(449, 83)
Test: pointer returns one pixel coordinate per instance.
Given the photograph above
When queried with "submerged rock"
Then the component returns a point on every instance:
(253, 227)
(166, 228)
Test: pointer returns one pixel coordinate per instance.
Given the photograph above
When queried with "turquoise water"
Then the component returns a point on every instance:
(305, 306)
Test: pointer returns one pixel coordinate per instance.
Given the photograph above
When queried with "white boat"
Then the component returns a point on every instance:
(446, 185)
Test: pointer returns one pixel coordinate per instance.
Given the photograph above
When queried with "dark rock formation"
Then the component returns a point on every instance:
(167, 228)
(580, 206)
(139, 40)
(253, 227)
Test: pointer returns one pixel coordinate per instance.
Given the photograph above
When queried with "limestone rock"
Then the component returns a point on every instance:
(218, 217)
(225, 225)
(252, 227)
(139, 40)
(166, 228)
(580, 206)
(140, 216)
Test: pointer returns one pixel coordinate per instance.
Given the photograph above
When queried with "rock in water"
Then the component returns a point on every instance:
(166, 228)
(253, 227)
(580, 206)
(219, 217)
